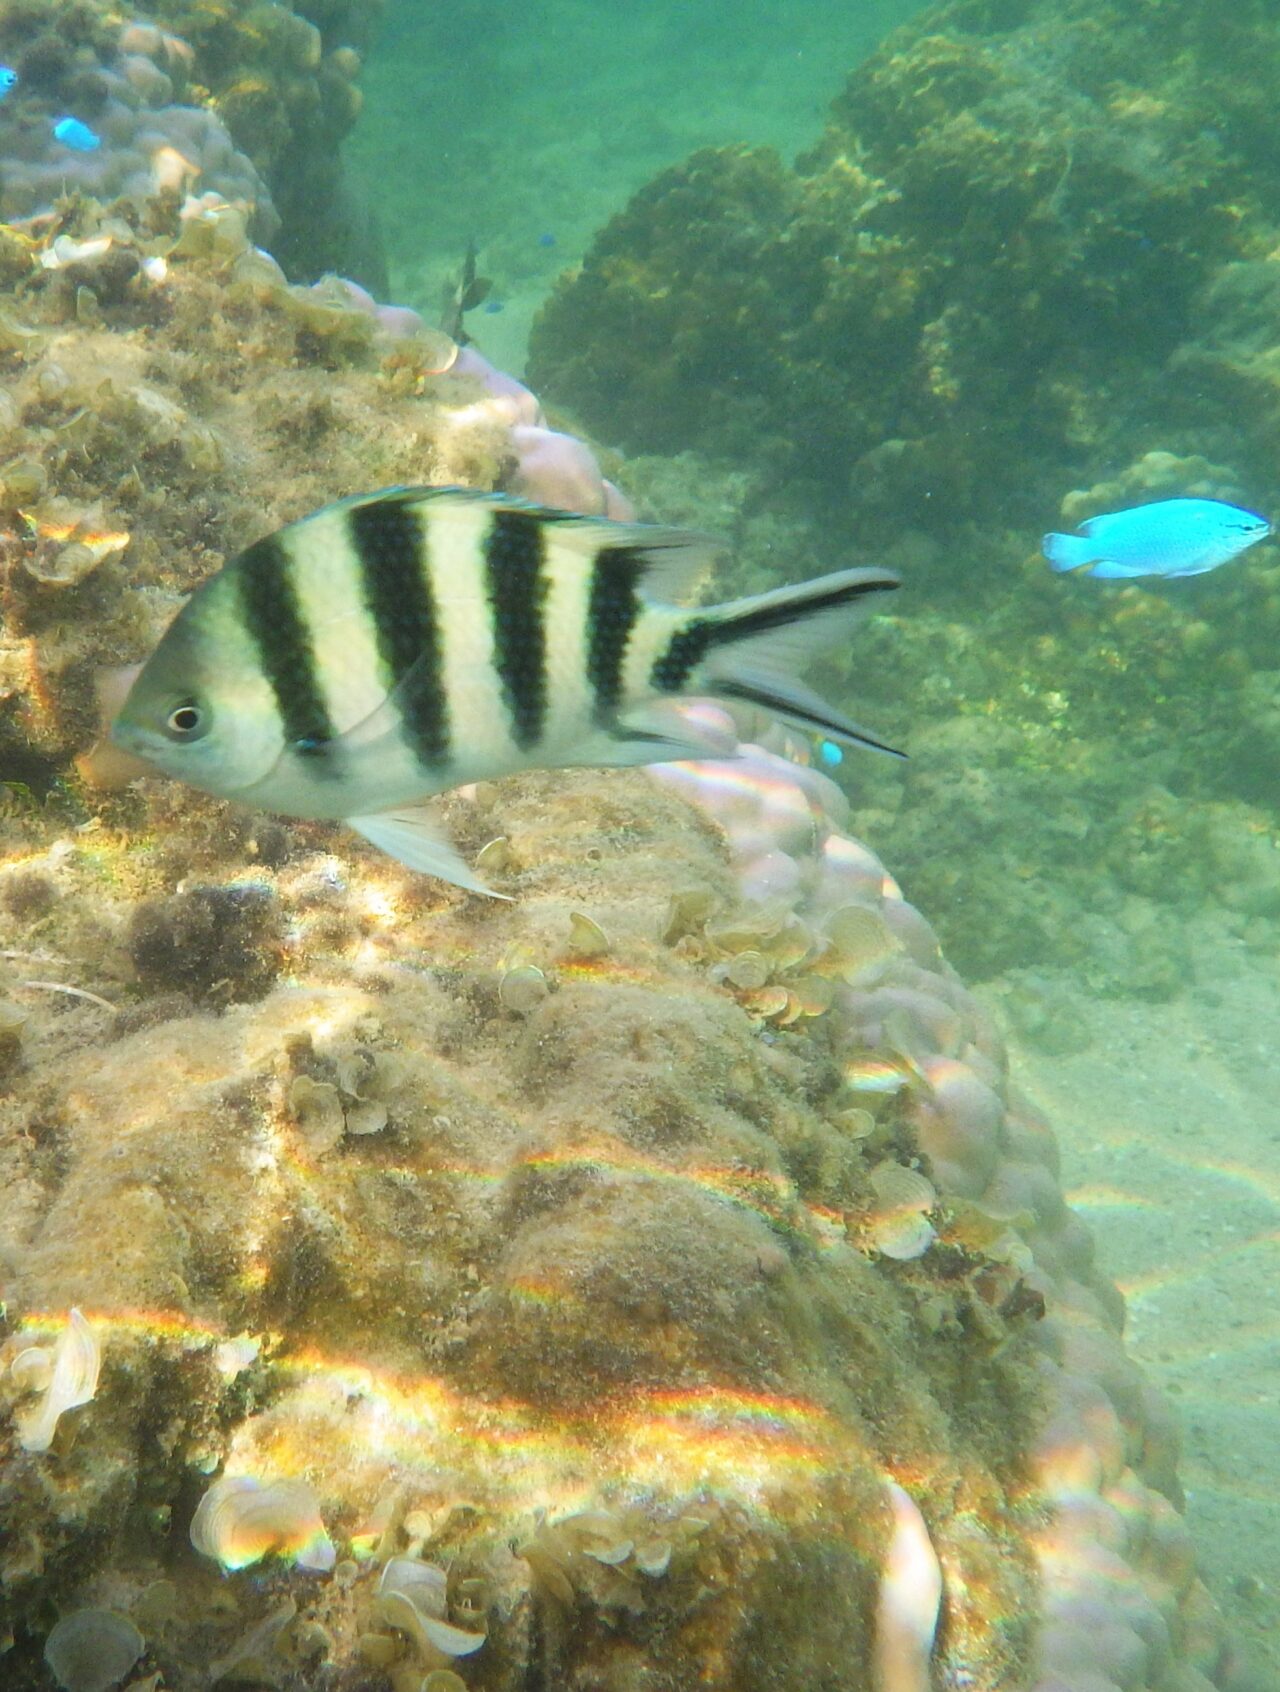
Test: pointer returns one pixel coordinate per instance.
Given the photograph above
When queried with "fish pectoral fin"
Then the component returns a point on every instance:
(414, 702)
(411, 837)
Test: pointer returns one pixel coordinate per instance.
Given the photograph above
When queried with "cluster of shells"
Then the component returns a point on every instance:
(606, 1553)
(778, 966)
(338, 1089)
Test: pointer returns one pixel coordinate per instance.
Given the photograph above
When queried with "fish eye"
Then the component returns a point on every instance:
(186, 721)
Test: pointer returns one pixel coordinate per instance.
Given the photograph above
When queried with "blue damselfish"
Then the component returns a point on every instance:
(1173, 537)
(76, 135)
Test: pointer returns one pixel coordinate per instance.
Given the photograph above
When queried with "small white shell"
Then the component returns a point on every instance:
(317, 1110)
(654, 1557)
(898, 1226)
(747, 969)
(412, 1597)
(367, 1117)
(76, 1360)
(902, 1237)
(523, 989)
(423, 1584)
(233, 1356)
(898, 1188)
(862, 941)
(586, 937)
(241, 1520)
(92, 1650)
(32, 1369)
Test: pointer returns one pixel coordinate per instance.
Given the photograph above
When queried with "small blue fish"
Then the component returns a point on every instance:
(8, 79)
(830, 754)
(547, 239)
(76, 135)
(1173, 537)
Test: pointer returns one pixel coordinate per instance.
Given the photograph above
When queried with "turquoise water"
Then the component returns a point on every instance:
(510, 125)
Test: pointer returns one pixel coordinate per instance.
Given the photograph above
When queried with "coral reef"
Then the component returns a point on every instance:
(990, 266)
(249, 99)
(123, 84)
(654, 1277)
(1024, 276)
(284, 80)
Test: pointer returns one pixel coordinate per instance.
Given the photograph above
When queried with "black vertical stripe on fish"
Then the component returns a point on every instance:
(514, 552)
(274, 621)
(685, 651)
(612, 609)
(391, 546)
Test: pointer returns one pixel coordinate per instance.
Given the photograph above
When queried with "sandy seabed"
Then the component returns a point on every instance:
(1168, 1118)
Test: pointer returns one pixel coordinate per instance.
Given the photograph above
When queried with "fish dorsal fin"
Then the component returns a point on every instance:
(676, 561)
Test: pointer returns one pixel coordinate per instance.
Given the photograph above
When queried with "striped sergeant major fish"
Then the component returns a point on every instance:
(401, 643)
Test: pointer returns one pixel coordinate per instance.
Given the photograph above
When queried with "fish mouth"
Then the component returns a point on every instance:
(140, 742)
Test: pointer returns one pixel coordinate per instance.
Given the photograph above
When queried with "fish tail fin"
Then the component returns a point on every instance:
(755, 646)
(1068, 552)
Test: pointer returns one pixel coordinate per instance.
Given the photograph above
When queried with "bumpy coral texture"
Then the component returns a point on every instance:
(284, 80)
(128, 86)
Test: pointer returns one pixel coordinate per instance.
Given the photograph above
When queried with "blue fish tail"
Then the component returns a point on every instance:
(1068, 552)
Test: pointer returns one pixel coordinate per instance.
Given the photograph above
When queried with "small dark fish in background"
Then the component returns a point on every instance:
(402, 643)
(463, 295)
(1171, 538)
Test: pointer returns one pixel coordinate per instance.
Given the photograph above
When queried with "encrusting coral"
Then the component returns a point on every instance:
(126, 85)
(284, 79)
(247, 98)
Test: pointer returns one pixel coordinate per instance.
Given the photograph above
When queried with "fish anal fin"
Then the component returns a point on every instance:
(411, 836)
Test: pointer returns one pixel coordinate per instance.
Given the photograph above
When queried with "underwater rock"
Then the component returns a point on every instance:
(609, 1292)
(974, 278)
(284, 79)
(223, 943)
